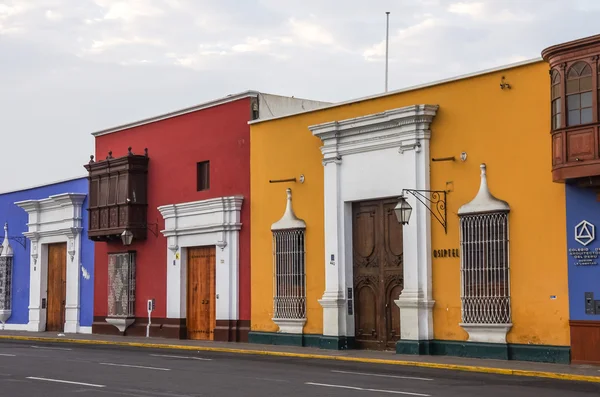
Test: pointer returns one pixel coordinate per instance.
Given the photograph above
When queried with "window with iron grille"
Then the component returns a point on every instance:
(485, 271)
(121, 284)
(289, 274)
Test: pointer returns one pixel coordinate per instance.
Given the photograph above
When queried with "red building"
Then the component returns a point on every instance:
(169, 213)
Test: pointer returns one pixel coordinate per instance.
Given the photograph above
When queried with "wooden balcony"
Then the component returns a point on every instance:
(576, 155)
(118, 196)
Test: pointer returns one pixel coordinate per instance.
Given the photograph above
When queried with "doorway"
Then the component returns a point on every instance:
(57, 287)
(378, 273)
(201, 308)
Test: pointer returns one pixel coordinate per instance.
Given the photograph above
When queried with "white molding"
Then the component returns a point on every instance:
(56, 219)
(411, 88)
(290, 326)
(401, 128)
(487, 333)
(216, 222)
(484, 201)
(180, 112)
(396, 144)
(121, 323)
(13, 327)
(85, 330)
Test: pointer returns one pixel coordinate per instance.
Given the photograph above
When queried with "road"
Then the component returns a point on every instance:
(73, 370)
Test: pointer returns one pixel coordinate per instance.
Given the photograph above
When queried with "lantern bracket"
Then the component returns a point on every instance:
(434, 201)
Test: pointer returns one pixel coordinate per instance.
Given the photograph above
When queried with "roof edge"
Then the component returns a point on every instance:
(180, 112)
(411, 88)
(569, 46)
(84, 176)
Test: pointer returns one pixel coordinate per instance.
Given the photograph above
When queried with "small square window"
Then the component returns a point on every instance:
(203, 175)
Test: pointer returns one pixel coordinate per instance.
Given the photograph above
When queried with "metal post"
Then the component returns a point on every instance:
(387, 48)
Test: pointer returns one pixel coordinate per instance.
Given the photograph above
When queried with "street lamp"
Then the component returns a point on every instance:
(403, 210)
(433, 200)
(127, 237)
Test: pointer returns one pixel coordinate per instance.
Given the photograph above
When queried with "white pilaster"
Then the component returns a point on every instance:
(416, 301)
(333, 300)
(56, 219)
(203, 223)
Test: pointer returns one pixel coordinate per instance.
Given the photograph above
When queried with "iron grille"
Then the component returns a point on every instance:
(485, 270)
(289, 274)
(121, 284)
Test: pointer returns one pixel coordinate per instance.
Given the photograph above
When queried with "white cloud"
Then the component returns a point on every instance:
(114, 61)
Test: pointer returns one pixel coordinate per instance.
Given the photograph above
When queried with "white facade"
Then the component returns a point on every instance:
(371, 157)
(203, 223)
(56, 219)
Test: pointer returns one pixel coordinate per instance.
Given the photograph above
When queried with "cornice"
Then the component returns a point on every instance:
(53, 202)
(202, 207)
(71, 232)
(203, 229)
(570, 46)
(389, 129)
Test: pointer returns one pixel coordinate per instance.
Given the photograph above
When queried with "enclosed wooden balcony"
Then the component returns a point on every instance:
(118, 196)
(575, 123)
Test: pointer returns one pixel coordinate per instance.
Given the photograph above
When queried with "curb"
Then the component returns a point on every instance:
(455, 367)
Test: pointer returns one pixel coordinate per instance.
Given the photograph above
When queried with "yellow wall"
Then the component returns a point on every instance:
(506, 129)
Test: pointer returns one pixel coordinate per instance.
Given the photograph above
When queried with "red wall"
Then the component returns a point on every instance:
(221, 135)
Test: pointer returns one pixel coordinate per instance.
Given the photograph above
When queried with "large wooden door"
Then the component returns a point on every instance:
(57, 287)
(201, 316)
(378, 273)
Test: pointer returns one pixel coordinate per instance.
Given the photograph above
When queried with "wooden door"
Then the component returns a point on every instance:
(378, 273)
(201, 315)
(57, 287)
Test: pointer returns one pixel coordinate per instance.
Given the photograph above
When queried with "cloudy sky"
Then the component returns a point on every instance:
(71, 67)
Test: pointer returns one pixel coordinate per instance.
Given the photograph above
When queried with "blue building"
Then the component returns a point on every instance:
(46, 262)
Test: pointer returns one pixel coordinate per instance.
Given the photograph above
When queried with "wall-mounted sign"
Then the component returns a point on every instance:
(585, 256)
(446, 253)
(585, 233)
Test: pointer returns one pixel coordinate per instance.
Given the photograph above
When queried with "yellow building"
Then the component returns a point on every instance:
(477, 269)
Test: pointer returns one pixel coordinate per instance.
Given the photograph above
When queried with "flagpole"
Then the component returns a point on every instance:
(387, 48)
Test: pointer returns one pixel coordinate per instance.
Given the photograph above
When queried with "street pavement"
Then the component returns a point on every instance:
(47, 370)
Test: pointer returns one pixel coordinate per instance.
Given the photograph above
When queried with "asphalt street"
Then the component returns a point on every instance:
(72, 370)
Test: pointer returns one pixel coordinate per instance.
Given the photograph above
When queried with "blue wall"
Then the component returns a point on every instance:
(582, 205)
(17, 224)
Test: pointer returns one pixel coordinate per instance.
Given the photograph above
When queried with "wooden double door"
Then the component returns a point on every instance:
(57, 287)
(378, 273)
(201, 313)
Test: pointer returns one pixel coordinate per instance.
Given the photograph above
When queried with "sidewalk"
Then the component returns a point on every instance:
(586, 373)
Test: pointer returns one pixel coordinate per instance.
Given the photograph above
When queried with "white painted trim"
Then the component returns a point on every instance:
(180, 112)
(290, 325)
(85, 330)
(209, 222)
(395, 143)
(408, 89)
(44, 185)
(56, 219)
(487, 333)
(13, 327)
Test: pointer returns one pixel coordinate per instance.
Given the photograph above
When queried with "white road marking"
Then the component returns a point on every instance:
(65, 381)
(50, 348)
(186, 357)
(380, 375)
(135, 366)
(373, 390)
(7, 355)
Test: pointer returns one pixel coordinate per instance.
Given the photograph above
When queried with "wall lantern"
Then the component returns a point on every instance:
(435, 198)
(127, 237)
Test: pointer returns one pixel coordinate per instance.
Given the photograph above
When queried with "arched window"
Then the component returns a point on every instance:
(579, 94)
(556, 100)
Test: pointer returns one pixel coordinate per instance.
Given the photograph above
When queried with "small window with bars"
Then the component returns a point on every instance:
(485, 272)
(289, 258)
(121, 284)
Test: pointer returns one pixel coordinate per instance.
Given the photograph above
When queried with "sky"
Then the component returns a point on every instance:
(72, 67)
